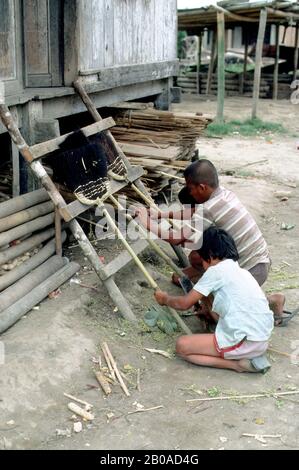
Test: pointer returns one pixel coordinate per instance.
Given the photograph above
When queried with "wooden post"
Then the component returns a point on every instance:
(258, 61)
(211, 64)
(198, 62)
(243, 75)
(58, 241)
(221, 65)
(276, 65)
(296, 52)
(15, 170)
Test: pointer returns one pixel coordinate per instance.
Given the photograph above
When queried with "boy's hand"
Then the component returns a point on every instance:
(143, 216)
(161, 297)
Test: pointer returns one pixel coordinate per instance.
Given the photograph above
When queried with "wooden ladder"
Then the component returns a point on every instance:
(69, 212)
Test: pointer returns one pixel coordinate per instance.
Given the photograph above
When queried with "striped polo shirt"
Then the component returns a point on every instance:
(226, 211)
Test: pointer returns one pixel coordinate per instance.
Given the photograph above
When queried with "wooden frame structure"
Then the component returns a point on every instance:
(233, 14)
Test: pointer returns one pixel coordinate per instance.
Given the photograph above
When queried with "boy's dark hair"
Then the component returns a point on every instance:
(185, 197)
(202, 172)
(217, 243)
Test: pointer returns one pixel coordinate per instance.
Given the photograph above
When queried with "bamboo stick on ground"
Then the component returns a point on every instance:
(80, 411)
(240, 397)
(82, 402)
(117, 373)
(26, 215)
(107, 358)
(103, 382)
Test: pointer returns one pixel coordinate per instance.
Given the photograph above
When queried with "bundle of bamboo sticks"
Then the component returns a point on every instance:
(163, 142)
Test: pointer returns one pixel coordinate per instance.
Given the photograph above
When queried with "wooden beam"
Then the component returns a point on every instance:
(258, 61)
(58, 239)
(111, 77)
(234, 16)
(40, 150)
(276, 65)
(221, 65)
(296, 52)
(282, 14)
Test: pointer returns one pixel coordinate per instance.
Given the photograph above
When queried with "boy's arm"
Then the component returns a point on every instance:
(178, 237)
(182, 302)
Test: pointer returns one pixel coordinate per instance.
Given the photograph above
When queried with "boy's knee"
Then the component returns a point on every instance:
(181, 347)
(195, 259)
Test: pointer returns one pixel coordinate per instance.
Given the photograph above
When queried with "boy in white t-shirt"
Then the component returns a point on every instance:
(240, 308)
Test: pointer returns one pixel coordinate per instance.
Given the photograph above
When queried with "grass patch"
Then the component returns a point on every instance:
(247, 128)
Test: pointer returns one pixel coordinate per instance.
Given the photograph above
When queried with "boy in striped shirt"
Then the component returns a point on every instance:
(215, 205)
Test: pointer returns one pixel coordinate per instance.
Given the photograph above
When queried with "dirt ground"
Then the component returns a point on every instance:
(50, 351)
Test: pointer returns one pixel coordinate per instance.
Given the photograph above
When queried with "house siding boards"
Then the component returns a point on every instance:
(132, 32)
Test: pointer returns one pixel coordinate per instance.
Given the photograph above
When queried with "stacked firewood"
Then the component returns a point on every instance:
(162, 142)
(29, 267)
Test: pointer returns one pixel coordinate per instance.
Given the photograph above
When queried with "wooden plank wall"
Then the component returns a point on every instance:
(124, 32)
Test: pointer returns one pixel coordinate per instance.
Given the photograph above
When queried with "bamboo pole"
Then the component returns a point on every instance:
(26, 215)
(151, 242)
(258, 61)
(22, 230)
(27, 245)
(137, 261)
(221, 65)
(20, 203)
(20, 271)
(276, 65)
(15, 311)
(25, 285)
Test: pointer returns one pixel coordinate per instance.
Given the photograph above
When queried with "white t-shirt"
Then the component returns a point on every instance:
(240, 303)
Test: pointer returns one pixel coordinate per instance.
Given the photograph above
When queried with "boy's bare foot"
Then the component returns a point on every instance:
(244, 365)
(257, 364)
(276, 304)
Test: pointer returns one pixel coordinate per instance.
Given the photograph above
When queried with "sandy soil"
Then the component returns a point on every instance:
(50, 351)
